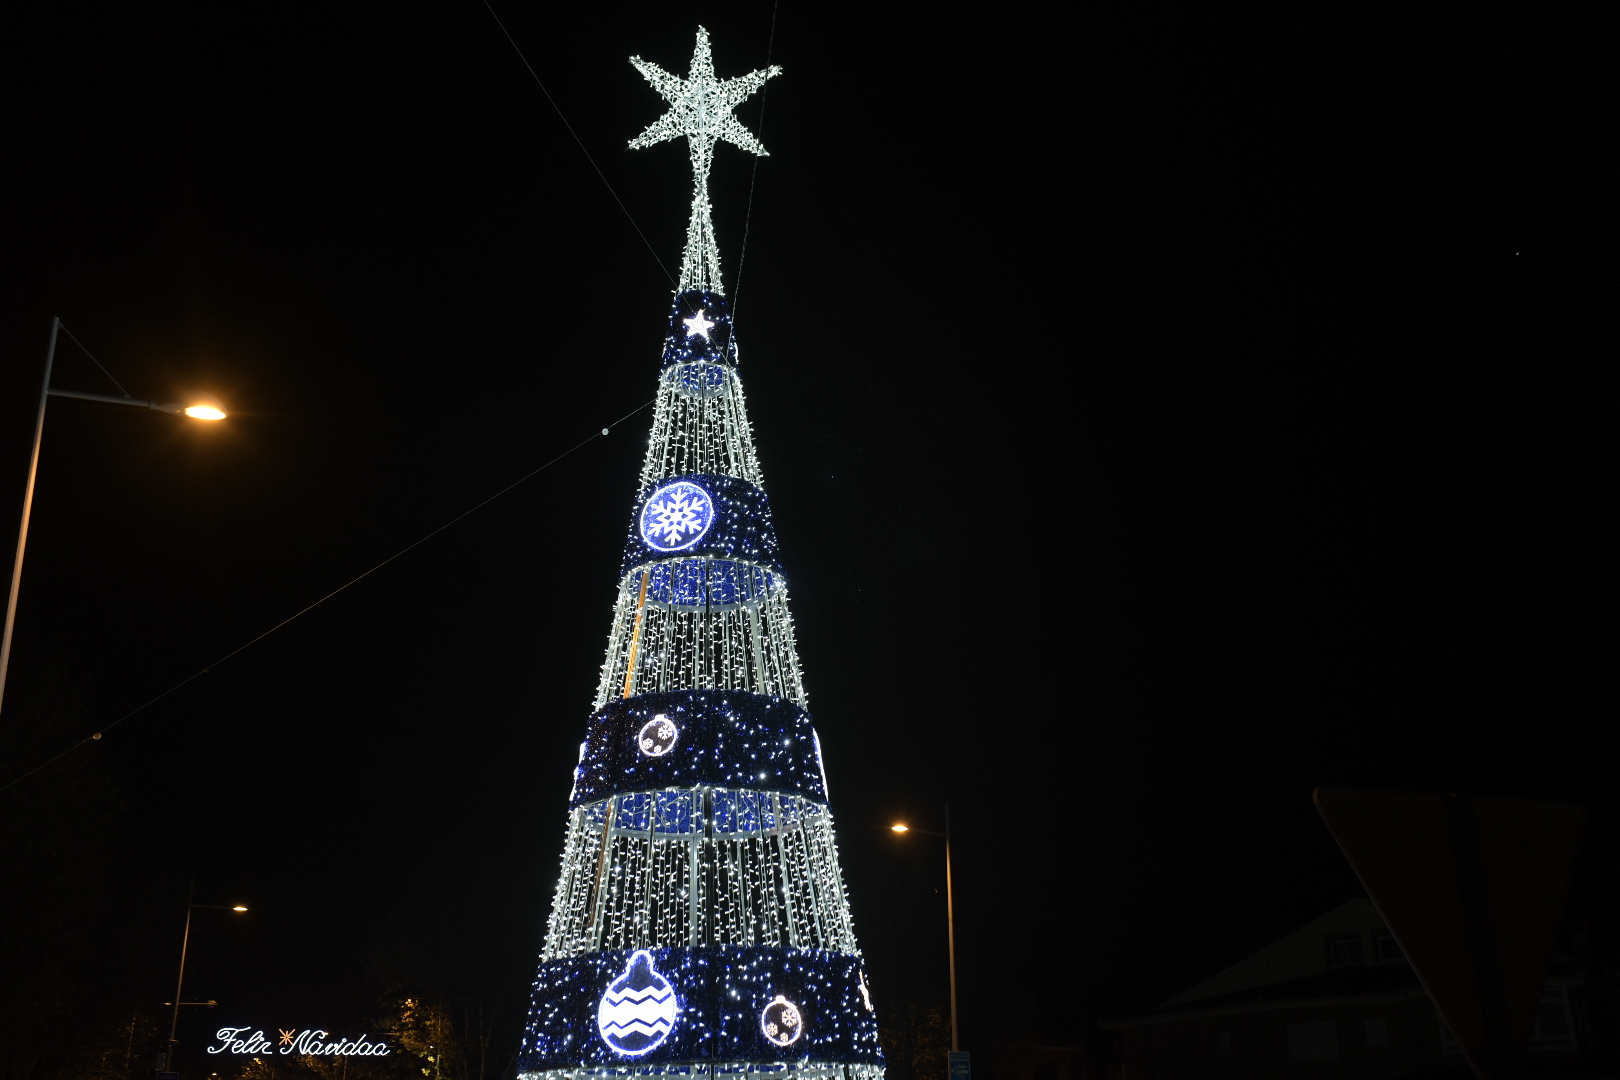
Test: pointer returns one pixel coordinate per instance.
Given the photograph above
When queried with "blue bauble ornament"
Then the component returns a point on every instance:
(638, 1011)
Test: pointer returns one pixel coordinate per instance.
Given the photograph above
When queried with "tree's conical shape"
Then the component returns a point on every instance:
(700, 925)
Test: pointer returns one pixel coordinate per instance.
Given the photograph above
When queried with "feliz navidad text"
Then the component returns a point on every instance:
(308, 1041)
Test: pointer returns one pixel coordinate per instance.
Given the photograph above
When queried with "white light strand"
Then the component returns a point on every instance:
(747, 645)
(765, 877)
(700, 434)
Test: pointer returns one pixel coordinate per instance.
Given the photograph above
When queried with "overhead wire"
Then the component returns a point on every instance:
(748, 215)
(311, 607)
(63, 327)
(558, 109)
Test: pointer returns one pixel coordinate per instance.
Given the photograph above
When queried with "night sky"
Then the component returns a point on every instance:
(1163, 415)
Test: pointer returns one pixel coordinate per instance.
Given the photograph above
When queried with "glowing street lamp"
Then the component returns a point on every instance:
(180, 982)
(203, 407)
(196, 406)
(950, 910)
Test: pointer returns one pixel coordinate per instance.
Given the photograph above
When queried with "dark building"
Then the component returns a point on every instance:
(1336, 998)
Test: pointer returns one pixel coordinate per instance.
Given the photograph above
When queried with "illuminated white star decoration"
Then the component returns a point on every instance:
(698, 326)
(700, 108)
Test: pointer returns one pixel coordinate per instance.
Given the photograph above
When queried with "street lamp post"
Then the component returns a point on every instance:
(180, 981)
(201, 407)
(950, 911)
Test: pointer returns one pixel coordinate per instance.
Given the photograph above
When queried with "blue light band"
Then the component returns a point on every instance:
(700, 584)
(726, 738)
(739, 525)
(722, 991)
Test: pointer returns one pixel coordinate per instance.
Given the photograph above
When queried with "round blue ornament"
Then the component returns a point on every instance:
(638, 1011)
(676, 516)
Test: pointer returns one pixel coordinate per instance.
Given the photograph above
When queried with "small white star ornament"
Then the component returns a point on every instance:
(698, 326)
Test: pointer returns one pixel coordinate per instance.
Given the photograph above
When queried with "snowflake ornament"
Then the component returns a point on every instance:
(780, 1022)
(676, 516)
(657, 736)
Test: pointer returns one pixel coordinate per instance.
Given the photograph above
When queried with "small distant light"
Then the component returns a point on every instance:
(900, 828)
(239, 907)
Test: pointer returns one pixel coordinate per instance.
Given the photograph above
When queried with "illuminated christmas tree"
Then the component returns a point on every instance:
(700, 924)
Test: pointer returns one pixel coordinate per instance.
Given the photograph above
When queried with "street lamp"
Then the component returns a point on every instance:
(180, 982)
(196, 406)
(950, 910)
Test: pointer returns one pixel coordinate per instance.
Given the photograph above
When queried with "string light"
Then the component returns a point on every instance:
(720, 866)
(700, 927)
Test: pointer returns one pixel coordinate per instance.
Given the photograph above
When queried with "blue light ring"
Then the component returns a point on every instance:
(704, 379)
(724, 813)
(677, 582)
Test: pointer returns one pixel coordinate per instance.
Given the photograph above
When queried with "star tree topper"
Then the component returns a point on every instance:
(700, 108)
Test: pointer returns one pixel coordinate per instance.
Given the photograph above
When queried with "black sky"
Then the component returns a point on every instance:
(1163, 413)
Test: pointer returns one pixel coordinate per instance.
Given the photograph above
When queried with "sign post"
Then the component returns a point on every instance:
(959, 1065)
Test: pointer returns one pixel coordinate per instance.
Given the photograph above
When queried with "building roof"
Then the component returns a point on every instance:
(1298, 965)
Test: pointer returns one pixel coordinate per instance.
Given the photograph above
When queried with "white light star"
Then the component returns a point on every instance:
(698, 325)
(700, 108)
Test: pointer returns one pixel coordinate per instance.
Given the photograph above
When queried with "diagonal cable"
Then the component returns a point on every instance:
(581, 143)
(249, 644)
(748, 215)
(93, 360)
